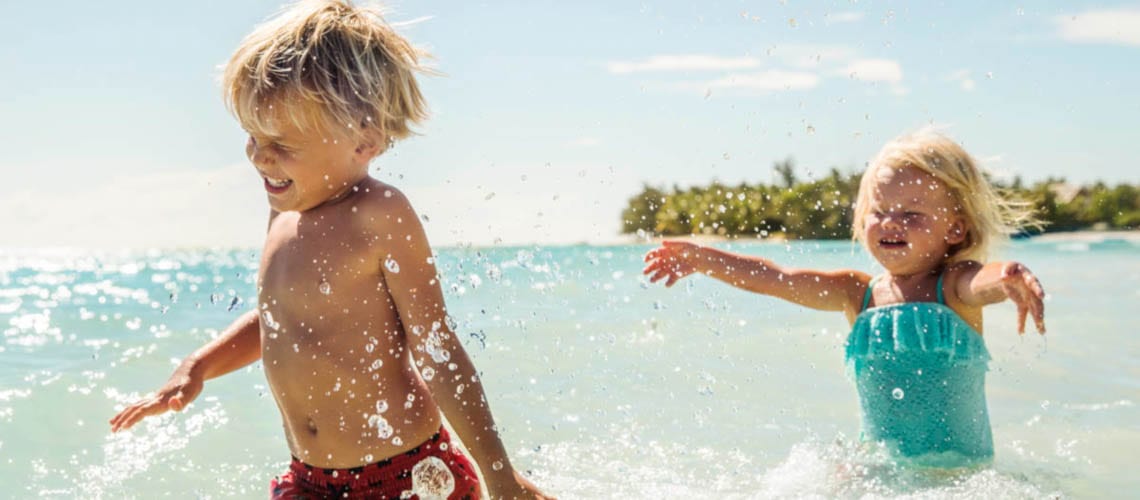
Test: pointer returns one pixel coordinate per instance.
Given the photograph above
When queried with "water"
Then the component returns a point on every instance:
(604, 386)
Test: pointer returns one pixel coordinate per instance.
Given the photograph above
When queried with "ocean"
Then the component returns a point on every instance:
(603, 385)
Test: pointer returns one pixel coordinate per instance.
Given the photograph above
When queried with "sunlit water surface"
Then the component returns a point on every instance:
(604, 386)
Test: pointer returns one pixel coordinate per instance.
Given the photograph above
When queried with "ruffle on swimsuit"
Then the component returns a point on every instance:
(920, 371)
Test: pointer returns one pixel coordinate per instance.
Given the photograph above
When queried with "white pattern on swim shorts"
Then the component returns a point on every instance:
(431, 480)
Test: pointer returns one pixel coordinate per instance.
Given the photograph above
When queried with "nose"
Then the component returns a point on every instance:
(891, 221)
(256, 154)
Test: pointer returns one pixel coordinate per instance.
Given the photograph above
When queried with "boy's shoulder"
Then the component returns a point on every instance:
(378, 198)
(381, 207)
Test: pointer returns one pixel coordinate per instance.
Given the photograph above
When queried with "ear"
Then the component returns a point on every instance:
(369, 148)
(957, 232)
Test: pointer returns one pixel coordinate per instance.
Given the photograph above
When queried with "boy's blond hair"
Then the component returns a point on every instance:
(989, 217)
(328, 65)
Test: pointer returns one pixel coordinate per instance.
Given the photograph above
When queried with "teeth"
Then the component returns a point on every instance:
(277, 183)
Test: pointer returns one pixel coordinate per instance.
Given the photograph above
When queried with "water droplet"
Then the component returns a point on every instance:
(432, 479)
(897, 393)
(497, 465)
(382, 406)
(428, 373)
(391, 265)
(387, 193)
(368, 458)
(396, 441)
(324, 287)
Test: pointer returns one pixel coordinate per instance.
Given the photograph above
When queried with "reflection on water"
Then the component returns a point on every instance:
(604, 387)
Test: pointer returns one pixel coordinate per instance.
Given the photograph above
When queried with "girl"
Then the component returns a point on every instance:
(928, 216)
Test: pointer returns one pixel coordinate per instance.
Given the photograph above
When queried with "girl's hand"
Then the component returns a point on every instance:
(182, 387)
(517, 487)
(672, 261)
(1023, 288)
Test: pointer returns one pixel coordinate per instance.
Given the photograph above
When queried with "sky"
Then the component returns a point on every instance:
(549, 115)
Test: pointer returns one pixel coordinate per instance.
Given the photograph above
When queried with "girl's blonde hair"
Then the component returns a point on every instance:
(330, 65)
(988, 216)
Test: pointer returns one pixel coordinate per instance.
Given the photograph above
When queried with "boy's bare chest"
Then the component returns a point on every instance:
(320, 283)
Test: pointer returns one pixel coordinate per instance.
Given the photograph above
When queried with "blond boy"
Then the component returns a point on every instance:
(351, 326)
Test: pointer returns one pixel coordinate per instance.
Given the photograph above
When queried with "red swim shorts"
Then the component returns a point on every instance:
(434, 469)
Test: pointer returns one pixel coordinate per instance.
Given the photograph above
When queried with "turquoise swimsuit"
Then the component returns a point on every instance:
(921, 373)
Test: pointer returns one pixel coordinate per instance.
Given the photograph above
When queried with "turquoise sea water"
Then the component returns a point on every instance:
(604, 386)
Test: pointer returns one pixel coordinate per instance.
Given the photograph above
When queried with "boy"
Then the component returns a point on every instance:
(347, 289)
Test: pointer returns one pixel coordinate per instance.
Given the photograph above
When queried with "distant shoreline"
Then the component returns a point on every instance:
(1089, 236)
(1079, 236)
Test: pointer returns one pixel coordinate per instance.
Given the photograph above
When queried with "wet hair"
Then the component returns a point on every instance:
(330, 66)
(988, 216)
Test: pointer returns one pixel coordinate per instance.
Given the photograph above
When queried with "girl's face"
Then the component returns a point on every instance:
(913, 221)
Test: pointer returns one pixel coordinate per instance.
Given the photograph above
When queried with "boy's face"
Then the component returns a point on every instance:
(913, 220)
(302, 169)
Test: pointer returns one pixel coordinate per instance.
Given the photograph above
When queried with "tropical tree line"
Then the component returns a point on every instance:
(821, 208)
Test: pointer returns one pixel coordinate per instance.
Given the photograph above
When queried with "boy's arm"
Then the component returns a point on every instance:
(237, 346)
(456, 387)
(981, 285)
(823, 290)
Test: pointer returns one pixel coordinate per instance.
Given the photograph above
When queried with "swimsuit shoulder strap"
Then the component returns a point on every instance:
(941, 298)
(867, 294)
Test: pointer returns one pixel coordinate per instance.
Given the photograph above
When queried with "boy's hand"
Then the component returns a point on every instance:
(182, 387)
(1023, 288)
(516, 487)
(672, 261)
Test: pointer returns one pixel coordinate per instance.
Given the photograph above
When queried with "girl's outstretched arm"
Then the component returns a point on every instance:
(981, 285)
(824, 290)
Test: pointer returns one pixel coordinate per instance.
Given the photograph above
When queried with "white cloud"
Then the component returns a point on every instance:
(519, 204)
(1110, 26)
(766, 81)
(874, 70)
(812, 56)
(227, 207)
(804, 67)
(585, 142)
(964, 79)
(694, 62)
(220, 207)
(843, 17)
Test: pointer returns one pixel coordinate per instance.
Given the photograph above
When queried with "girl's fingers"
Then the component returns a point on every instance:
(1022, 312)
(1039, 316)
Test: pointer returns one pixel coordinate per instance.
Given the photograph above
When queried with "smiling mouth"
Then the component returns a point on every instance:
(276, 186)
(892, 244)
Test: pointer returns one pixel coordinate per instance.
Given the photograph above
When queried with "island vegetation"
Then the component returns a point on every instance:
(821, 207)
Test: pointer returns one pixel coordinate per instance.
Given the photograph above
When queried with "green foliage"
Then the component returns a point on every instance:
(822, 208)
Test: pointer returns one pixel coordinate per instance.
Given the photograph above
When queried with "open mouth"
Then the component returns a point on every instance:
(892, 244)
(277, 186)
